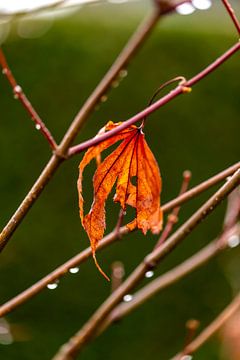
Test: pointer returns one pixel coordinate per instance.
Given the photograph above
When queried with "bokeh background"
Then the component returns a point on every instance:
(199, 132)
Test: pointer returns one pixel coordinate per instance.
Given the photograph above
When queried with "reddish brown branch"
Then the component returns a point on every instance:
(57, 274)
(201, 187)
(231, 12)
(117, 275)
(76, 260)
(211, 329)
(172, 276)
(173, 217)
(84, 335)
(180, 89)
(19, 94)
(233, 209)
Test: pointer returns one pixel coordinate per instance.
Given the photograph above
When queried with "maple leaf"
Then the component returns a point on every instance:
(131, 159)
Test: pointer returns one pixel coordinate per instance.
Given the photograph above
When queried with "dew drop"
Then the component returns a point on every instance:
(115, 84)
(117, 1)
(52, 286)
(123, 73)
(38, 126)
(233, 241)
(6, 337)
(17, 89)
(4, 71)
(127, 298)
(186, 357)
(185, 9)
(149, 274)
(202, 4)
(104, 98)
(74, 270)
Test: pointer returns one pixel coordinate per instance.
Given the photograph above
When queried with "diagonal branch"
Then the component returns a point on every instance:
(172, 276)
(70, 350)
(107, 240)
(173, 217)
(232, 14)
(180, 89)
(19, 94)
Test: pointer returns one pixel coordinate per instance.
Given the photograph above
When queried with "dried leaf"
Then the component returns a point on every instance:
(132, 158)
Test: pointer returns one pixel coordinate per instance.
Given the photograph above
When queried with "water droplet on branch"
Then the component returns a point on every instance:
(233, 241)
(186, 357)
(104, 98)
(74, 270)
(127, 298)
(149, 274)
(123, 73)
(185, 9)
(115, 84)
(202, 4)
(52, 286)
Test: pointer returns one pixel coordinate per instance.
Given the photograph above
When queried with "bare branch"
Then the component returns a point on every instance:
(180, 89)
(57, 274)
(173, 217)
(232, 15)
(172, 276)
(84, 335)
(62, 269)
(211, 329)
(76, 260)
(117, 275)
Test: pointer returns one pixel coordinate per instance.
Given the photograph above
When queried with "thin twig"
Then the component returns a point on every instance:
(211, 329)
(117, 275)
(201, 187)
(172, 276)
(19, 94)
(233, 209)
(173, 217)
(231, 12)
(133, 45)
(180, 89)
(191, 326)
(57, 274)
(27, 294)
(83, 336)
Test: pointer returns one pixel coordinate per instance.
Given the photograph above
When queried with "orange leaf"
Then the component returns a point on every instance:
(132, 158)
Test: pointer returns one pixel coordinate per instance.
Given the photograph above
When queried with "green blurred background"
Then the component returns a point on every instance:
(199, 132)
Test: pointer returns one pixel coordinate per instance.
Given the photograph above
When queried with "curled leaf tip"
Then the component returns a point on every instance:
(99, 267)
